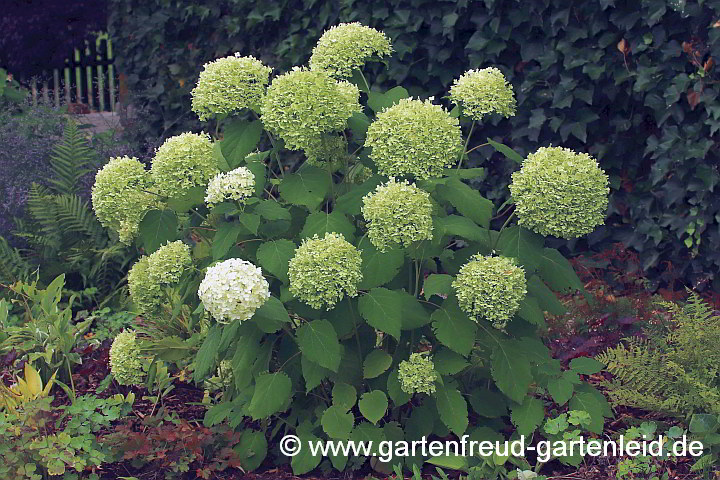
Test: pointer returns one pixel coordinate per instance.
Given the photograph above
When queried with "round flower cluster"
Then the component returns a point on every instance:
(324, 269)
(120, 197)
(149, 275)
(560, 192)
(183, 162)
(490, 288)
(302, 104)
(229, 84)
(326, 150)
(398, 213)
(237, 185)
(126, 360)
(346, 47)
(417, 374)
(414, 138)
(483, 91)
(233, 290)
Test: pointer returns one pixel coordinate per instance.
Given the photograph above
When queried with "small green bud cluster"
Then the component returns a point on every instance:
(483, 91)
(126, 360)
(417, 374)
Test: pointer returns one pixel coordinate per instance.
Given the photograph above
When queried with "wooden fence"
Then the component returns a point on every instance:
(88, 78)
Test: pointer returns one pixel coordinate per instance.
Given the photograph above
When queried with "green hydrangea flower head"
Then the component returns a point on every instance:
(233, 290)
(490, 288)
(228, 85)
(183, 162)
(120, 196)
(326, 150)
(346, 47)
(484, 91)
(324, 270)
(417, 374)
(303, 104)
(237, 185)
(560, 192)
(126, 359)
(146, 295)
(414, 138)
(398, 213)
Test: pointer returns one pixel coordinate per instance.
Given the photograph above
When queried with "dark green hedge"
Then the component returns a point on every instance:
(631, 82)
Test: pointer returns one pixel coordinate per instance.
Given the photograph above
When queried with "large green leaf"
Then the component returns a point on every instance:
(271, 316)
(272, 210)
(378, 101)
(561, 390)
(344, 395)
(448, 362)
(157, 228)
(376, 363)
(530, 312)
(305, 461)
(510, 369)
(467, 201)
(318, 342)
(395, 391)
(373, 405)
(528, 415)
(437, 284)
(414, 314)
(507, 151)
(312, 373)
(453, 328)
(378, 267)
(272, 391)
(251, 450)
(557, 272)
(382, 309)
(308, 187)
(205, 358)
(586, 365)
(275, 257)
(318, 223)
(523, 245)
(452, 408)
(255, 163)
(240, 137)
(225, 237)
(351, 202)
(546, 299)
(457, 226)
(337, 422)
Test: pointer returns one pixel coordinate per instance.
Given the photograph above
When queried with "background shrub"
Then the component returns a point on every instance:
(632, 83)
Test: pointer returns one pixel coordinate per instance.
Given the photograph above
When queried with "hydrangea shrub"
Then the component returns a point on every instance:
(369, 280)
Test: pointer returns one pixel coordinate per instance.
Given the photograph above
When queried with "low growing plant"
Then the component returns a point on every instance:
(321, 280)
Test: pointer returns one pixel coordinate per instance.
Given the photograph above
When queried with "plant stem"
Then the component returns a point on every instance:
(476, 147)
(72, 384)
(467, 142)
(502, 228)
(367, 85)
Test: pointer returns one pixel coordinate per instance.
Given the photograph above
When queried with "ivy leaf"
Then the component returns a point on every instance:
(321, 222)
(318, 342)
(437, 284)
(558, 273)
(528, 415)
(507, 151)
(382, 309)
(272, 391)
(586, 365)
(275, 257)
(240, 137)
(452, 408)
(373, 405)
(453, 328)
(467, 201)
(523, 245)
(157, 228)
(205, 358)
(378, 268)
(308, 187)
(375, 364)
(337, 422)
(561, 390)
(344, 395)
(511, 370)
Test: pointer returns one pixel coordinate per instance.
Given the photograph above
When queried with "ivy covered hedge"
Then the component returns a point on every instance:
(632, 83)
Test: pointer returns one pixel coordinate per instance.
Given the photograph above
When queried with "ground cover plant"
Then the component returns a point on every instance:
(347, 282)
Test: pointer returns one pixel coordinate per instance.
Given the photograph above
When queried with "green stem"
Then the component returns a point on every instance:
(501, 230)
(357, 334)
(72, 383)
(367, 85)
(417, 278)
(476, 147)
(467, 142)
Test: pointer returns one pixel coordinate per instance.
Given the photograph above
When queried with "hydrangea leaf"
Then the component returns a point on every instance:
(378, 267)
(546, 299)
(251, 450)
(351, 202)
(510, 370)
(448, 362)
(467, 201)
(376, 363)
(383, 310)
(437, 284)
(308, 187)
(272, 391)
(337, 422)
(453, 328)
(530, 311)
(561, 390)
(240, 137)
(225, 237)
(557, 272)
(205, 358)
(378, 101)
(318, 341)
(523, 245)
(395, 391)
(452, 408)
(157, 228)
(528, 415)
(586, 365)
(457, 226)
(305, 461)
(271, 316)
(488, 403)
(312, 373)
(507, 151)
(414, 314)
(318, 223)
(271, 210)
(344, 395)
(373, 405)
(275, 256)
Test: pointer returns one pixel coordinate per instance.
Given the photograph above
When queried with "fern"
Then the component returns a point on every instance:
(13, 266)
(70, 160)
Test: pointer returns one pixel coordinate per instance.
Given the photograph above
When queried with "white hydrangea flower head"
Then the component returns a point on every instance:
(416, 138)
(560, 192)
(303, 104)
(233, 290)
(346, 47)
(120, 196)
(417, 374)
(398, 213)
(183, 162)
(490, 288)
(324, 270)
(326, 150)
(228, 85)
(151, 274)
(126, 359)
(237, 185)
(484, 91)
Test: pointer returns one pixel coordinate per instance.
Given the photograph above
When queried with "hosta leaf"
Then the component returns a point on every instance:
(452, 408)
(376, 363)
(318, 342)
(275, 257)
(373, 405)
(321, 222)
(337, 422)
(382, 309)
(272, 391)
(528, 415)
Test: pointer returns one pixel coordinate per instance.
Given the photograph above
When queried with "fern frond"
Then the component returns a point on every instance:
(70, 160)
(76, 216)
(13, 266)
